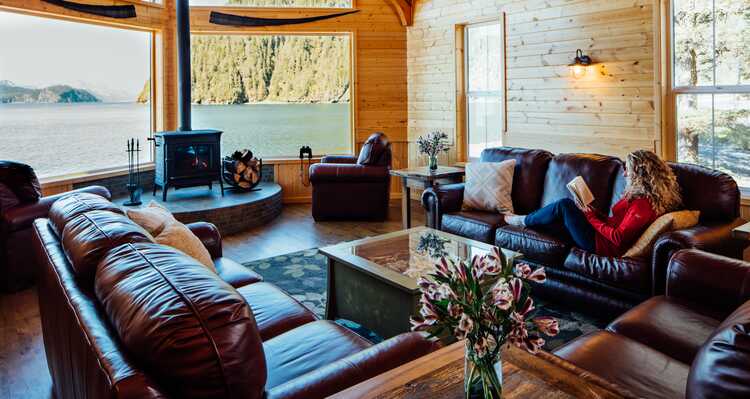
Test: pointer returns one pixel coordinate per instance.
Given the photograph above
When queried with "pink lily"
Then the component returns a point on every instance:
(547, 325)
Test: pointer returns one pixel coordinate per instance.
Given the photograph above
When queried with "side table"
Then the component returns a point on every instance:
(423, 178)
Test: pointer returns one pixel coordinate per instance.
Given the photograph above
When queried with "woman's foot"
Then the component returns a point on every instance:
(515, 220)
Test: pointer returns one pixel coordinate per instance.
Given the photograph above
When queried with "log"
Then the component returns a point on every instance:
(239, 167)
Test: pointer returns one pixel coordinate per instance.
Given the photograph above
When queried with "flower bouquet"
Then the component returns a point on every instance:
(486, 302)
(432, 145)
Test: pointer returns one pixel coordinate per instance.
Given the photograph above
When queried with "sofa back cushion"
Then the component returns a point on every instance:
(182, 322)
(376, 151)
(528, 175)
(88, 237)
(598, 171)
(696, 182)
(722, 367)
(70, 206)
(22, 179)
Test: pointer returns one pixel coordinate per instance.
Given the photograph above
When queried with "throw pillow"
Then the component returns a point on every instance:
(8, 198)
(489, 185)
(178, 236)
(152, 218)
(668, 222)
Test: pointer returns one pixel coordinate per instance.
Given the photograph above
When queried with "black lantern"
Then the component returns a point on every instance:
(580, 64)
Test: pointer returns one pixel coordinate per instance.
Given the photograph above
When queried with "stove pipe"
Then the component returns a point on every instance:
(183, 61)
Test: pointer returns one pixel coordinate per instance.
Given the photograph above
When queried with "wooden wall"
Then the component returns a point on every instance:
(611, 110)
(378, 74)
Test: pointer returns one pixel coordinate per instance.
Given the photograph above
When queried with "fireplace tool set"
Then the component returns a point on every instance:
(134, 172)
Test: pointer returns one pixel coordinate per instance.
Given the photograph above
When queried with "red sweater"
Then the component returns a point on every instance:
(628, 221)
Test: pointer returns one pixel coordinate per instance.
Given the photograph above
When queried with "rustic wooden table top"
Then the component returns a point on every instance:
(423, 172)
(439, 375)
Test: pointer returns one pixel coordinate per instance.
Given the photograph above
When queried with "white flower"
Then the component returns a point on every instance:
(465, 326)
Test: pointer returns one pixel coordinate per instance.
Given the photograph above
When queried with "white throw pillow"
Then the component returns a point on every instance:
(489, 185)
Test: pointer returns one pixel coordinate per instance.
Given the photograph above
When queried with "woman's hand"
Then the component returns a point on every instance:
(585, 208)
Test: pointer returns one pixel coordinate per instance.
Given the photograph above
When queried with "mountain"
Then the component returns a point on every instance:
(10, 93)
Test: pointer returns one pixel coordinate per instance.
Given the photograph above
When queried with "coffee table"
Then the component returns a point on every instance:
(440, 375)
(373, 281)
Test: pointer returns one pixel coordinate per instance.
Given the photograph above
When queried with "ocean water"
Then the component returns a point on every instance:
(58, 139)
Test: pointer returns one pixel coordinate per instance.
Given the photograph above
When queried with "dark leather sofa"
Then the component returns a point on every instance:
(123, 317)
(353, 188)
(693, 341)
(16, 268)
(604, 285)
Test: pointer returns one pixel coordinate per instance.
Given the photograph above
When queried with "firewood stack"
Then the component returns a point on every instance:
(242, 170)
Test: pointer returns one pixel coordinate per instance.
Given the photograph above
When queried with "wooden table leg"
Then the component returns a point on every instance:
(405, 204)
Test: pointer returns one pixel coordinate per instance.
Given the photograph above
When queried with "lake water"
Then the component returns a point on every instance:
(57, 139)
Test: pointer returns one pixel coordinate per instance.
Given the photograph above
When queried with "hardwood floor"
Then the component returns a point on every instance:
(23, 366)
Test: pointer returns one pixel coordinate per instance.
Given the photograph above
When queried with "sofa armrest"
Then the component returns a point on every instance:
(356, 368)
(714, 238)
(209, 236)
(707, 279)
(22, 216)
(348, 173)
(442, 199)
(340, 159)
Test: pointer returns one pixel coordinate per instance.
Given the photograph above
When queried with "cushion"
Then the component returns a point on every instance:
(488, 186)
(275, 311)
(90, 236)
(22, 180)
(535, 246)
(375, 151)
(476, 225)
(153, 218)
(234, 273)
(179, 236)
(598, 171)
(8, 198)
(669, 221)
(722, 367)
(191, 330)
(70, 206)
(632, 274)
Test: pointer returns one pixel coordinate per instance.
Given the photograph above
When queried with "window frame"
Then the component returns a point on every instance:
(462, 83)
(670, 133)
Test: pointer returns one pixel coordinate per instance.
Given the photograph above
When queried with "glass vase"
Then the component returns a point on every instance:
(483, 377)
(433, 163)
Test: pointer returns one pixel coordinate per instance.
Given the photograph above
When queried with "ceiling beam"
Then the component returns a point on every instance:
(403, 9)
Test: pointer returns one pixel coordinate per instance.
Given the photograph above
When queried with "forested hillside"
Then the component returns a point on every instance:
(10, 93)
(237, 69)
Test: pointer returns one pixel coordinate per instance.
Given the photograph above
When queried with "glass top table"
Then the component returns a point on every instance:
(373, 281)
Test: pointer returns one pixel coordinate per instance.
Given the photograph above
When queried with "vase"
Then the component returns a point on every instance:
(483, 377)
(433, 162)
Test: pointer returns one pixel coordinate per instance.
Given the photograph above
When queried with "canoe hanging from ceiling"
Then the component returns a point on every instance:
(119, 11)
(220, 18)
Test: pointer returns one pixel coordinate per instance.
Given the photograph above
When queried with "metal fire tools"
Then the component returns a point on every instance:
(134, 172)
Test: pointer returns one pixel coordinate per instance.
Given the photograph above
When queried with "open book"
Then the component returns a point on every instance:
(580, 190)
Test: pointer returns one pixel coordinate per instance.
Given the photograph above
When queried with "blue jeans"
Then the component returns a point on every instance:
(564, 217)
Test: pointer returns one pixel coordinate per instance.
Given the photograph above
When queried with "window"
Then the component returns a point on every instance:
(274, 94)
(711, 84)
(275, 3)
(485, 94)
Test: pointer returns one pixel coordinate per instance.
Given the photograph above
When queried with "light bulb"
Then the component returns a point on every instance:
(579, 71)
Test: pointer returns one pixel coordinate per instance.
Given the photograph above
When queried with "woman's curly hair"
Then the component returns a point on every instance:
(651, 178)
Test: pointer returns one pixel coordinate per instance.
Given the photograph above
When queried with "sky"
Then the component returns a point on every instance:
(39, 52)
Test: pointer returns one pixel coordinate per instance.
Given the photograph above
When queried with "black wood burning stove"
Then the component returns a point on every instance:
(186, 159)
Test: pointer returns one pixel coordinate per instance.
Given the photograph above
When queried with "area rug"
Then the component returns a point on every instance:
(303, 275)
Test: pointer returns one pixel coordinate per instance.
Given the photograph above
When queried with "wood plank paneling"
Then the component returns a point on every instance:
(611, 110)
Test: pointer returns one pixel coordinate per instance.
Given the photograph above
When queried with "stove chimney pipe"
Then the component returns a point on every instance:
(183, 60)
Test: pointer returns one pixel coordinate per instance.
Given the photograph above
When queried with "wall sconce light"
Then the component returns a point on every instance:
(580, 64)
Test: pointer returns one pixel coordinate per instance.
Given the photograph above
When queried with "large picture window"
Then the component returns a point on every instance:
(484, 66)
(71, 94)
(274, 94)
(711, 84)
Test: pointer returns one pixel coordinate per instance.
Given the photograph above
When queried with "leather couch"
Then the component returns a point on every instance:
(353, 188)
(123, 317)
(16, 269)
(693, 341)
(600, 285)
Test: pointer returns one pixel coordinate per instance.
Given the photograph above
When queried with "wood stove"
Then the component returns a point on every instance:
(187, 159)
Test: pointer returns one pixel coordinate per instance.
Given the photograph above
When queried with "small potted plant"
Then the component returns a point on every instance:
(487, 303)
(433, 144)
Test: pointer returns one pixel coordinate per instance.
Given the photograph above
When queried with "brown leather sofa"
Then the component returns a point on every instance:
(693, 341)
(123, 317)
(16, 268)
(353, 188)
(597, 284)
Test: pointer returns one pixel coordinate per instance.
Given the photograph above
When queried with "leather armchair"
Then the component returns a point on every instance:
(16, 269)
(349, 188)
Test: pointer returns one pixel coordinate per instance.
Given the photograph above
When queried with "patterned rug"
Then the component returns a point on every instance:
(303, 275)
